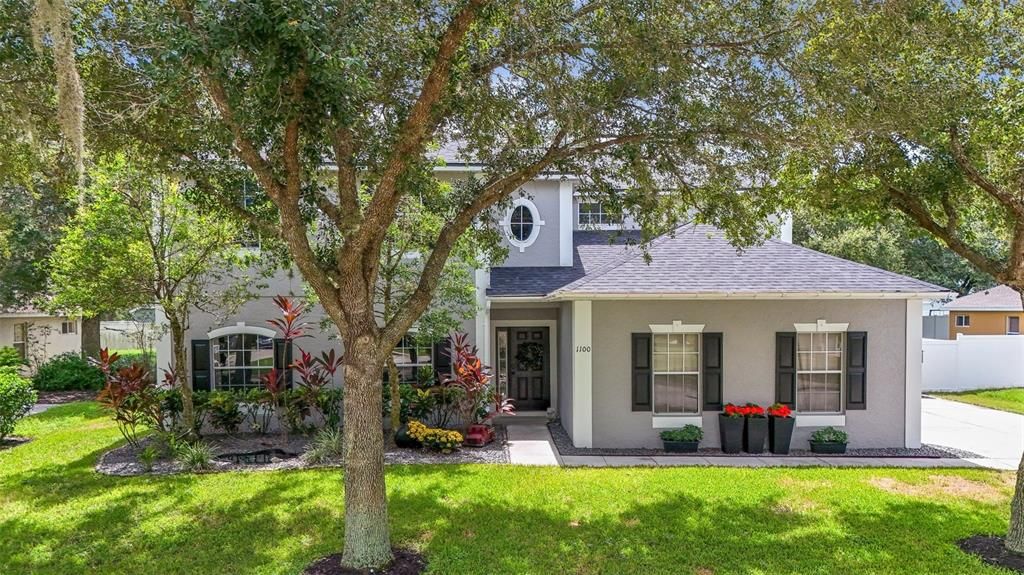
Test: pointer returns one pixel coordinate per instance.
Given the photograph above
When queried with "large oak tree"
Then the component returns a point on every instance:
(679, 107)
(916, 107)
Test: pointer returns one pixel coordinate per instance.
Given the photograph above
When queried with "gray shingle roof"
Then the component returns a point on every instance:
(700, 260)
(999, 298)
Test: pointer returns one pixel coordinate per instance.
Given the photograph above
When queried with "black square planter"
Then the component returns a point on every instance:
(755, 435)
(828, 448)
(780, 433)
(730, 429)
(680, 446)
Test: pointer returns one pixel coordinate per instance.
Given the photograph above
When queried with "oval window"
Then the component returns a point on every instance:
(521, 223)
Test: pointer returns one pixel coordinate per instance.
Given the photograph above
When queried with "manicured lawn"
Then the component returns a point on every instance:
(1011, 400)
(58, 516)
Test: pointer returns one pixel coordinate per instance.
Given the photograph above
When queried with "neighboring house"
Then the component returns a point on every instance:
(578, 324)
(38, 336)
(995, 311)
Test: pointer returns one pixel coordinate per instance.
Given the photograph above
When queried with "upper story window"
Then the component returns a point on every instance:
(522, 223)
(593, 214)
(963, 321)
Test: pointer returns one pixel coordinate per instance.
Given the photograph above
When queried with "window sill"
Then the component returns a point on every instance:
(676, 421)
(835, 420)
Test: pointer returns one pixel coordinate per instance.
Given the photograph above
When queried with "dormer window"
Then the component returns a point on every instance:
(522, 223)
(593, 215)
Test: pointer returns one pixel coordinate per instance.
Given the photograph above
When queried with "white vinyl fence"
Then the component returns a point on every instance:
(128, 335)
(973, 362)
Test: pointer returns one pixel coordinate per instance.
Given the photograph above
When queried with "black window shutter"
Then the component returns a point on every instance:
(283, 359)
(641, 372)
(712, 371)
(785, 369)
(201, 365)
(443, 358)
(857, 370)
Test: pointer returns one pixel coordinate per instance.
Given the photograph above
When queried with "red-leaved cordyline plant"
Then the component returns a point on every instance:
(474, 378)
(289, 324)
(132, 395)
(314, 373)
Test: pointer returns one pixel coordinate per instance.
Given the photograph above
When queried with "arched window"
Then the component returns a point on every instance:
(522, 223)
(242, 355)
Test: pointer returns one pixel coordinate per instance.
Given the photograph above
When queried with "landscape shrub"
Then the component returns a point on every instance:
(687, 433)
(9, 357)
(67, 372)
(196, 456)
(327, 446)
(132, 395)
(16, 398)
(127, 357)
(225, 413)
(443, 440)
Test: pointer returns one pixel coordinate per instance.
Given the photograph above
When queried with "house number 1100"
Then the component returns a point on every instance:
(582, 349)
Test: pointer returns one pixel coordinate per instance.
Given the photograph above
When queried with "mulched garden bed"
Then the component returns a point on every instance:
(565, 447)
(992, 551)
(277, 453)
(407, 562)
(13, 441)
(58, 397)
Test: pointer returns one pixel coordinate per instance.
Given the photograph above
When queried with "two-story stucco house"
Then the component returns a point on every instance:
(576, 323)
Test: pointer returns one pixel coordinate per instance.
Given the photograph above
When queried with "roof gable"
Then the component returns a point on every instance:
(999, 298)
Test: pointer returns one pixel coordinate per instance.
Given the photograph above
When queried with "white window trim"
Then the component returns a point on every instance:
(72, 330)
(821, 326)
(506, 223)
(1008, 318)
(677, 327)
(821, 420)
(841, 371)
(676, 421)
(667, 419)
(966, 320)
(240, 327)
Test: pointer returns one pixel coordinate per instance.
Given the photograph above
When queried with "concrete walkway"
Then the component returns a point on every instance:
(997, 436)
(529, 443)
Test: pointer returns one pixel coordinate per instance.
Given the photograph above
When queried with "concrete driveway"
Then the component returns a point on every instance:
(997, 436)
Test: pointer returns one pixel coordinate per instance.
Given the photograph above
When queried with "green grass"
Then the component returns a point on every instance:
(1011, 400)
(58, 516)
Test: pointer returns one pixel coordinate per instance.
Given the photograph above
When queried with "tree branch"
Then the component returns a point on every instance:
(977, 178)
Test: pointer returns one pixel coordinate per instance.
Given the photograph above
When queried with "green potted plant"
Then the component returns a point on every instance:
(730, 428)
(828, 440)
(683, 440)
(780, 428)
(756, 430)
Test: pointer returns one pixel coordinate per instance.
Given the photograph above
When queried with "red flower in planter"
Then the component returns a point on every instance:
(733, 410)
(753, 410)
(779, 410)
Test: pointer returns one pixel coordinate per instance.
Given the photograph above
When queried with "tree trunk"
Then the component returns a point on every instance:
(396, 395)
(367, 536)
(91, 337)
(181, 370)
(1015, 536)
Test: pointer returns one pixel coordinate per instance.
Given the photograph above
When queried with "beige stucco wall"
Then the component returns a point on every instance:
(45, 338)
(749, 329)
(982, 322)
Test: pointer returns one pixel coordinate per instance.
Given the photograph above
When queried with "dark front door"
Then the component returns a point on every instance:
(529, 368)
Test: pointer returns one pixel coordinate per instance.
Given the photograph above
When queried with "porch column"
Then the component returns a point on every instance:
(582, 375)
(915, 356)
